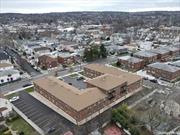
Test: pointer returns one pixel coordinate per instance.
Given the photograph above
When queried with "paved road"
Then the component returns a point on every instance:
(22, 62)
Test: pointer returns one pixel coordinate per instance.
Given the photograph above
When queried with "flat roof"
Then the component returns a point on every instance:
(176, 63)
(171, 48)
(129, 77)
(70, 95)
(2, 65)
(145, 54)
(8, 72)
(131, 59)
(160, 50)
(107, 81)
(164, 67)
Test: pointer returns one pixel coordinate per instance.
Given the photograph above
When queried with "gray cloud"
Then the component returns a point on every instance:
(44, 6)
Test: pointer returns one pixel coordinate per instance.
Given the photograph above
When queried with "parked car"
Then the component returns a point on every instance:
(14, 98)
(50, 130)
(28, 84)
(154, 81)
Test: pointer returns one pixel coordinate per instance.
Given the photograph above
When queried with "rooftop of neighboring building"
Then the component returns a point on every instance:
(170, 48)
(160, 50)
(176, 63)
(41, 49)
(8, 72)
(46, 58)
(68, 43)
(70, 95)
(164, 67)
(64, 54)
(3, 65)
(130, 59)
(107, 82)
(145, 54)
(113, 130)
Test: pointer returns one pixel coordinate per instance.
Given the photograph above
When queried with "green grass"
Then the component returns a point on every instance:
(21, 125)
(12, 95)
(73, 75)
(29, 90)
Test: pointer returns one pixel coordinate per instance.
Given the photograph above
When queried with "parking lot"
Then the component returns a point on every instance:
(75, 80)
(45, 118)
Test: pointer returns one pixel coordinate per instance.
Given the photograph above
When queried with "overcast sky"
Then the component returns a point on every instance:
(46, 6)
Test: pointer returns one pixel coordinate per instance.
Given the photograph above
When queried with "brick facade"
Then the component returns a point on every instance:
(47, 62)
(131, 66)
(159, 73)
(66, 60)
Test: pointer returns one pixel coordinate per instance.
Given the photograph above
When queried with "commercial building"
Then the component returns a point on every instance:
(164, 71)
(106, 87)
(131, 63)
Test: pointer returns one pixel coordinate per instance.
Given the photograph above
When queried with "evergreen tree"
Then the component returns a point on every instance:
(103, 51)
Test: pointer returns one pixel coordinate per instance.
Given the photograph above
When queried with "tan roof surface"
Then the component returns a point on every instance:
(129, 77)
(2, 65)
(70, 95)
(107, 81)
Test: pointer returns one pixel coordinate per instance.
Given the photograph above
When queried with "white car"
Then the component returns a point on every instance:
(14, 98)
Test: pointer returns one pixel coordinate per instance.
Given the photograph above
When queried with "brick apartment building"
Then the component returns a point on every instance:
(147, 56)
(106, 87)
(162, 54)
(47, 62)
(131, 63)
(164, 71)
(174, 51)
(66, 58)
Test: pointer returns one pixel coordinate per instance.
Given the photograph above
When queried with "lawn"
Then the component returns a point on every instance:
(73, 75)
(12, 95)
(21, 125)
(29, 90)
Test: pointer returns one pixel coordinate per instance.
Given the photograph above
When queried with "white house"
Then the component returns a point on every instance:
(9, 76)
(5, 107)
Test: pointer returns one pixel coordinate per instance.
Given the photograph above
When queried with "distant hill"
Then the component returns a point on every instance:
(125, 19)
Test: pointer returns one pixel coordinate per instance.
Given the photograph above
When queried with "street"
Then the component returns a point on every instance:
(35, 75)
